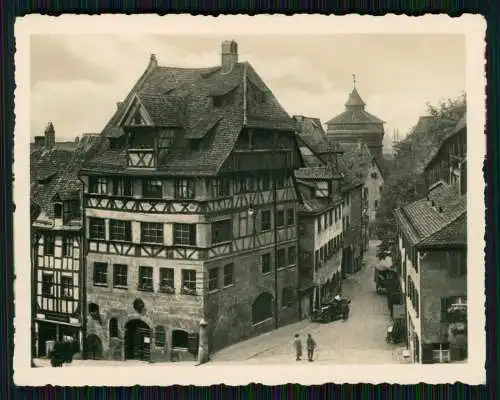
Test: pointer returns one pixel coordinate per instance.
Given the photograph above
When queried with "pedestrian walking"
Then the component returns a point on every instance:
(311, 345)
(298, 347)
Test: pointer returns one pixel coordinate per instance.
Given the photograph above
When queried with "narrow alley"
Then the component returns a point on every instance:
(359, 340)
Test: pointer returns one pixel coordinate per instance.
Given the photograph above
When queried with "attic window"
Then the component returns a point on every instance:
(195, 144)
(218, 101)
(137, 120)
(374, 175)
(58, 210)
(260, 96)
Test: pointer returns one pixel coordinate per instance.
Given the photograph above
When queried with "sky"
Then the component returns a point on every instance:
(76, 80)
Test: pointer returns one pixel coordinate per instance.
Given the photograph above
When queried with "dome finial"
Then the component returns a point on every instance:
(354, 80)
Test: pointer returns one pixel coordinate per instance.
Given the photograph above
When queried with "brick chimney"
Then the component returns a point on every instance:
(50, 136)
(229, 55)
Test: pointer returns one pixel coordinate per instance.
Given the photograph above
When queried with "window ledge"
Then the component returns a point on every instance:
(221, 243)
(213, 291)
(121, 287)
(101, 284)
(228, 286)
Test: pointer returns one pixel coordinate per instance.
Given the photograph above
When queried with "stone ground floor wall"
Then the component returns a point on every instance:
(158, 315)
(229, 310)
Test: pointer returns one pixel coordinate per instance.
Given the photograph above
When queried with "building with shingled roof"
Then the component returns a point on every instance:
(57, 242)
(190, 210)
(355, 124)
(431, 260)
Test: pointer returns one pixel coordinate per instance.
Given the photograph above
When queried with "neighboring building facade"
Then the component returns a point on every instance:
(449, 164)
(320, 236)
(432, 255)
(356, 124)
(57, 244)
(190, 213)
(364, 166)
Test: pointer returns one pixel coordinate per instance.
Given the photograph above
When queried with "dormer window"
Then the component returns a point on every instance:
(374, 175)
(260, 96)
(322, 189)
(58, 210)
(218, 101)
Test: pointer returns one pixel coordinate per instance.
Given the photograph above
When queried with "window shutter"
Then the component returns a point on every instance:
(192, 234)
(193, 342)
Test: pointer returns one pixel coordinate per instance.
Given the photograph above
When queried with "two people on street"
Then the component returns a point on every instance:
(310, 345)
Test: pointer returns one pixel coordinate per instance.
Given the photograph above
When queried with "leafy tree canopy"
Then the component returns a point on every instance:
(403, 181)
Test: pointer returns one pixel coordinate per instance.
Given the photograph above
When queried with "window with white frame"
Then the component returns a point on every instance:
(97, 228)
(185, 234)
(151, 232)
(441, 353)
(184, 189)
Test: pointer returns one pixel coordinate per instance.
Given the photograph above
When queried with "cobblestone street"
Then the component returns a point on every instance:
(359, 340)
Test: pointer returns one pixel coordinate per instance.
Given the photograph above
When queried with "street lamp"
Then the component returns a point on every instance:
(251, 210)
(251, 214)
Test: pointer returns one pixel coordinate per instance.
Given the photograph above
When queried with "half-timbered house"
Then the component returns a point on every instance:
(56, 234)
(190, 214)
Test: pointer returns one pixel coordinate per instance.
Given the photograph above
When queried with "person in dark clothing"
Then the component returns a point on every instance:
(298, 347)
(311, 345)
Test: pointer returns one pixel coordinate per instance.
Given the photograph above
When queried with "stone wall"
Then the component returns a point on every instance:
(229, 309)
(172, 311)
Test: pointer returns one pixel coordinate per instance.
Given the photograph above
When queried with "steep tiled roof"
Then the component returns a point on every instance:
(56, 172)
(354, 116)
(355, 161)
(312, 133)
(311, 204)
(437, 219)
(185, 98)
(355, 99)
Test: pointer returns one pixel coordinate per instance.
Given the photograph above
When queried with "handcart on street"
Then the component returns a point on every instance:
(337, 309)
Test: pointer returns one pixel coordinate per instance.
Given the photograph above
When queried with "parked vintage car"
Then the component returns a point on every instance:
(383, 276)
(337, 309)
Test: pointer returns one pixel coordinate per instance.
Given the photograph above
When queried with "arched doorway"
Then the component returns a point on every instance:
(93, 346)
(137, 340)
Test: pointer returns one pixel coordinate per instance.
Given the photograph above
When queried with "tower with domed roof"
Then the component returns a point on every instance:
(356, 125)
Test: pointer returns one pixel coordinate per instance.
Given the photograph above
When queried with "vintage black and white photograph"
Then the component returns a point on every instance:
(287, 201)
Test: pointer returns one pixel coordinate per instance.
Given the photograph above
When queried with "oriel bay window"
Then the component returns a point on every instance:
(151, 232)
(97, 228)
(152, 188)
(222, 231)
(185, 234)
(189, 281)
(120, 275)
(167, 280)
(184, 189)
(145, 279)
(120, 230)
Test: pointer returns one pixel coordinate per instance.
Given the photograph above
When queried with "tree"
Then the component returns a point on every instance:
(404, 182)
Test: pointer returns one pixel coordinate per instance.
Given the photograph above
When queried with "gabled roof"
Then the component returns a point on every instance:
(184, 98)
(439, 220)
(55, 173)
